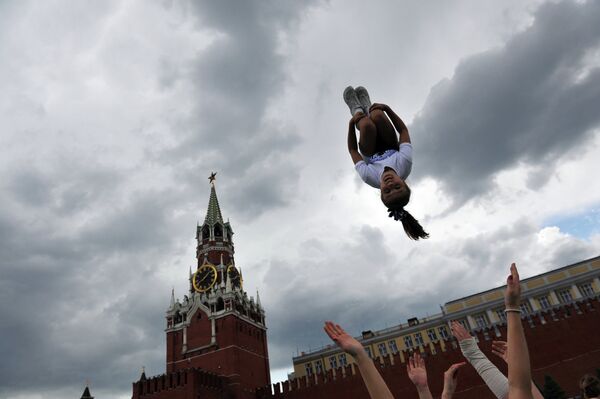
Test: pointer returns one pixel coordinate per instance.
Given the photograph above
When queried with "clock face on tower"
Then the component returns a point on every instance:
(234, 275)
(204, 278)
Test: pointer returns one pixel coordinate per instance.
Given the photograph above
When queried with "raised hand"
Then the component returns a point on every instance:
(459, 331)
(512, 294)
(381, 107)
(375, 384)
(342, 339)
(500, 349)
(451, 380)
(415, 367)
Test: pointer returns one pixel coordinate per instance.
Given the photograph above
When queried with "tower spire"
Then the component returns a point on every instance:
(172, 305)
(86, 392)
(213, 213)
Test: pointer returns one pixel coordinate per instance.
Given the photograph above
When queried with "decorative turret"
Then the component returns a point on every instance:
(214, 236)
(86, 393)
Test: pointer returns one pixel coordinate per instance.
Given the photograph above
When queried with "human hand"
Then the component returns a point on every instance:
(451, 379)
(459, 331)
(512, 294)
(342, 339)
(378, 106)
(500, 349)
(415, 367)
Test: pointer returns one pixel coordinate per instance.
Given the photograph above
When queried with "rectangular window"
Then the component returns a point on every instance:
(564, 296)
(586, 289)
(544, 302)
(443, 332)
(501, 315)
(393, 346)
(382, 349)
(333, 362)
(419, 339)
(525, 308)
(308, 368)
(408, 342)
(368, 349)
(319, 366)
(432, 335)
(465, 324)
(481, 320)
(343, 361)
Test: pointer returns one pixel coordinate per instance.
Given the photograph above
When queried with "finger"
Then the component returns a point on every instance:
(339, 329)
(331, 330)
(514, 272)
(328, 329)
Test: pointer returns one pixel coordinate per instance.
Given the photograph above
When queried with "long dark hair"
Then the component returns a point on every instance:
(412, 227)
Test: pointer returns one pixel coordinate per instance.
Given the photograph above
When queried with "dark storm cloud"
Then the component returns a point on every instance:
(76, 306)
(84, 244)
(529, 101)
(235, 80)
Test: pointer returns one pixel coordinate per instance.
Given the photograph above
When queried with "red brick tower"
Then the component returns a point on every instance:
(217, 327)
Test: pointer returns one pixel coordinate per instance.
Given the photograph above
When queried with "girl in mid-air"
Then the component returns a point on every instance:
(383, 162)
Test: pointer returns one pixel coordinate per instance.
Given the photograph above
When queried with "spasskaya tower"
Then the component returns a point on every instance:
(217, 327)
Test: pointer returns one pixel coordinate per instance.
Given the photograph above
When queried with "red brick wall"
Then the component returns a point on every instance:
(565, 346)
(240, 351)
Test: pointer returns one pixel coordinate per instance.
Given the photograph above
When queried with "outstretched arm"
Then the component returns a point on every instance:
(417, 373)
(373, 380)
(519, 368)
(451, 380)
(396, 121)
(499, 348)
(493, 378)
(352, 144)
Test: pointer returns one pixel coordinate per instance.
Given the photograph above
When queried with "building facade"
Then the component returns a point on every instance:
(216, 337)
(476, 312)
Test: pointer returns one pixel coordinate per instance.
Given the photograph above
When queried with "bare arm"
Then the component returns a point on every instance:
(451, 380)
(417, 373)
(352, 144)
(373, 380)
(519, 369)
(499, 348)
(396, 121)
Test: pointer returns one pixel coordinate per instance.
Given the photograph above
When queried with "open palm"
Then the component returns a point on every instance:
(344, 340)
(416, 370)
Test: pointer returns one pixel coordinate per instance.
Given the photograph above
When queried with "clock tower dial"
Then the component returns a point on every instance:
(204, 278)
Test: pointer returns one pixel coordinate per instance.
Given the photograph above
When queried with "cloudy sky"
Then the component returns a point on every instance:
(113, 114)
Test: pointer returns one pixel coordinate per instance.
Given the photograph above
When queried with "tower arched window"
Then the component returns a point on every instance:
(218, 231)
(220, 304)
(205, 233)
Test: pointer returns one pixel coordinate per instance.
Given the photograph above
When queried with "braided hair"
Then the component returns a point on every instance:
(412, 227)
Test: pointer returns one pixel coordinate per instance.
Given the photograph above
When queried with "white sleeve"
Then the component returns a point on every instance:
(490, 374)
(367, 173)
(404, 160)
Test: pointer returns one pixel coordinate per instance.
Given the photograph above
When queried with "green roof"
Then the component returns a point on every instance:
(213, 213)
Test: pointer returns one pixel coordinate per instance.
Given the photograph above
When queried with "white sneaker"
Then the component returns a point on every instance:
(352, 101)
(363, 98)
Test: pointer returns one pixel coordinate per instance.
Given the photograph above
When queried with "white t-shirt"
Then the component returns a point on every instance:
(371, 170)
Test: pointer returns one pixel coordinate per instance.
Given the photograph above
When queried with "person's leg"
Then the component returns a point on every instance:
(387, 139)
(368, 135)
